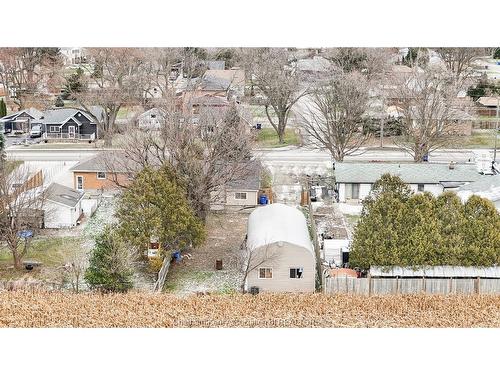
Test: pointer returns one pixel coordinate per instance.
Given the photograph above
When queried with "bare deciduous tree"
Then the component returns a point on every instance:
(250, 259)
(458, 60)
(372, 62)
(74, 269)
(272, 74)
(26, 72)
(335, 117)
(428, 107)
(21, 208)
(207, 151)
(113, 80)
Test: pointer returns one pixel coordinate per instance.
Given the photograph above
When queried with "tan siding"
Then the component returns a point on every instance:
(281, 259)
(251, 200)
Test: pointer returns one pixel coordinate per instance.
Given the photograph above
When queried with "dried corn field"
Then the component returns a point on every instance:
(56, 309)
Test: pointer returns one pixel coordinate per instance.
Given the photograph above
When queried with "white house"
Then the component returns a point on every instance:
(152, 119)
(281, 256)
(354, 180)
(62, 207)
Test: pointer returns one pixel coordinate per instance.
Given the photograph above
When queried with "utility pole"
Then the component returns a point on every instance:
(496, 131)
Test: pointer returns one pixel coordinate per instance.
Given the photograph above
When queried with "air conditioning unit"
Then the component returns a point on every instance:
(254, 290)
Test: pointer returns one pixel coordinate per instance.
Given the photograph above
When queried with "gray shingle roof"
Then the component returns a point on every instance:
(410, 173)
(58, 116)
(104, 162)
(249, 177)
(63, 195)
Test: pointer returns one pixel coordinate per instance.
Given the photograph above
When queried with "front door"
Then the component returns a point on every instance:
(71, 131)
(79, 182)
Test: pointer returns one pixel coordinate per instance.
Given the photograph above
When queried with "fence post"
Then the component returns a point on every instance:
(369, 285)
(423, 284)
(477, 285)
(397, 285)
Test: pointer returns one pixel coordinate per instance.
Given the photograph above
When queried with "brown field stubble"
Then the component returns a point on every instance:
(57, 309)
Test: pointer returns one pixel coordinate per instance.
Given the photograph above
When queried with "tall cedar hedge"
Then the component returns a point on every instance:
(400, 228)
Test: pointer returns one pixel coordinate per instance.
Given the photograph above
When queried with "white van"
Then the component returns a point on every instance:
(36, 131)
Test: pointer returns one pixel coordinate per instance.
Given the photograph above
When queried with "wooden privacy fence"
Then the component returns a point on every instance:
(376, 286)
(162, 275)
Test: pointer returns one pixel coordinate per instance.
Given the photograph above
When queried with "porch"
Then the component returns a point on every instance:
(69, 137)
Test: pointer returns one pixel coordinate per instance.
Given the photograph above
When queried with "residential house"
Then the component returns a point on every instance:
(316, 67)
(71, 124)
(354, 180)
(21, 121)
(487, 106)
(152, 119)
(62, 206)
(102, 172)
(281, 256)
(224, 84)
(243, 191)
(213, 64)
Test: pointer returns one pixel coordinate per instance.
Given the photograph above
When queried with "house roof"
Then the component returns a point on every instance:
(249, 177)
(436, 271)
(410, 173)
(104, 162)
(33, 112)
(315, 64)
(152, 111)
(214, 64)
(488, 101)
(61, 115)
(278, 223)
(209, 100)
(486, 187)
(216, 80)
(63, 195)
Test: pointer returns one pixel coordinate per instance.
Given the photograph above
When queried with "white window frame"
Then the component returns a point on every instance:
(296, 268)
(101, 178)
(418, 188)
(77, 177)
(265, 268)
(240, 192)
(52, 127)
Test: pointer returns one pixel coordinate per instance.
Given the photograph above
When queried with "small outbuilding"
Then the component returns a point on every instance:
(281, 256)
(62, 207)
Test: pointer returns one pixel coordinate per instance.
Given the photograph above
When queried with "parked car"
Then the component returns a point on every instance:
(36, 131)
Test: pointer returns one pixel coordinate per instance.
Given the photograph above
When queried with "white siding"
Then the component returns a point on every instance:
(281, 259)
(364, 190)
(60, 216)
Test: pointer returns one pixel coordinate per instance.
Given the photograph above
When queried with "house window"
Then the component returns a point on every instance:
(240, 196)
(101, 175)
(296, 273)
(79, 182)
(352, 191)
(265, 273)
(420, 187)
(54, 129)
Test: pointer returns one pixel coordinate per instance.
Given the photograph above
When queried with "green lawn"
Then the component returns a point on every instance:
(50, 251)
(267, 138)
(478, 139)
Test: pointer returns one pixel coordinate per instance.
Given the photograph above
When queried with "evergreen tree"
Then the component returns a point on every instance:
(399, 228)
(108, 269)
(74, 84)
(155, 205)
(496, 53)
(3, 108)
(59, 102)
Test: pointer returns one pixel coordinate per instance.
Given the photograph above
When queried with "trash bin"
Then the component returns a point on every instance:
(254, 290)
(258, 126)
(218, 264)
(263, 199)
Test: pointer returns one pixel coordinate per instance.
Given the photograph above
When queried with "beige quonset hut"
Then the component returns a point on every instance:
(281, 255)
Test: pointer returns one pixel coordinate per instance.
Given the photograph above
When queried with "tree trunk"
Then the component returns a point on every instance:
(17, 260)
